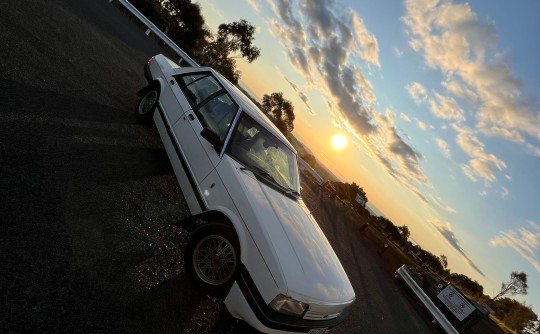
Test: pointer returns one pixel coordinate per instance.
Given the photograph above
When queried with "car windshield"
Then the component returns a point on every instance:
(264, 154)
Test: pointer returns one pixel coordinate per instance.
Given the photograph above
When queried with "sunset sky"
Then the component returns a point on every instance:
(438, 101)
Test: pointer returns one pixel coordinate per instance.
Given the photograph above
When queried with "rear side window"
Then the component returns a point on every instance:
(198, 87)
(211, 103)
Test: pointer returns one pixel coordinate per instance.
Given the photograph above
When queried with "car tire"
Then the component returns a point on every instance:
(147, 105)
(212, 257)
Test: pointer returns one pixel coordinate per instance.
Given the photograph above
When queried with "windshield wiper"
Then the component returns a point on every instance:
(291, 191)
(260, 172)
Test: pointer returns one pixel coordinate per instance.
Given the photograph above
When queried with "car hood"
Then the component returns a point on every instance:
(309, 266)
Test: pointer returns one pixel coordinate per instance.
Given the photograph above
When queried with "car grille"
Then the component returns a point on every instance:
(310, 315)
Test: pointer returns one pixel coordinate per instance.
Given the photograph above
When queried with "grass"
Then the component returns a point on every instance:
(502, 325)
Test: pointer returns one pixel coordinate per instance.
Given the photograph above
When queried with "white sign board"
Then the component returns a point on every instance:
(360, 200)
(455, 302)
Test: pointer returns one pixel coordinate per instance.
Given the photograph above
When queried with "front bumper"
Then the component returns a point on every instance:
(244, 301)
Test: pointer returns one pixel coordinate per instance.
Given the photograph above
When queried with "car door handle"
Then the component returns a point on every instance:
(191, 117)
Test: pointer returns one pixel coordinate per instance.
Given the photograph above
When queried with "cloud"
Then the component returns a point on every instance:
(417, 92)
(366, 42)
(445, 107)
(405, 117)
(401, 160)
(398, 52)
(421, 125)
(460, 90)
(254, 4)
(452, 39)
(504, 193)
(443, 147)
(532, 149)
(438, 201)
(525, 241)
(446, 231)
(300, 94)
(481, 165)
(495, 131)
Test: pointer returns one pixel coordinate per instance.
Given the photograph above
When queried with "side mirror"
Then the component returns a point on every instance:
(212, 138)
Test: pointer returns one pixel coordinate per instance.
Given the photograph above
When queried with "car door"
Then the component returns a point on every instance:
(211, 108)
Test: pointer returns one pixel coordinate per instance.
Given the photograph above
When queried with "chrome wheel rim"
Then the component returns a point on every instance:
(214, 259)
(147, 102)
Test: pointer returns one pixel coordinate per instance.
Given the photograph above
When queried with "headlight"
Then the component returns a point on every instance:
(289, 306)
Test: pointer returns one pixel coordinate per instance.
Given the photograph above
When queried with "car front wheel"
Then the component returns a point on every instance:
(212, 257)
(147, 105)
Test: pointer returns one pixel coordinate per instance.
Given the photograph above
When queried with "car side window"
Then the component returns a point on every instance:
(198, 87)
(217, 114)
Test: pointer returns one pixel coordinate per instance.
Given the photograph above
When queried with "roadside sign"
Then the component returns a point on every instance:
(439, 286)
(456, 302)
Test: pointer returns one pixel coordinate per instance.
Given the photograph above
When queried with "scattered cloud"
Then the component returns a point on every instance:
(405, 117)
(439, 202)
(525, 241)
(446, 231)
(254, 4)
(446, 108)
(443, 147)
(301, 95)
(481, 165)
(398, 52)
(421, 125)
(504, 193)
(366, 42)
(460, 90)
(533, 149)
(495, 131)
(483, 193)
(443, 107)
(417, 92)
(452, 39)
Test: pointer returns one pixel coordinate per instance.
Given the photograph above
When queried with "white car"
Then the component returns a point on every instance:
(259, 245)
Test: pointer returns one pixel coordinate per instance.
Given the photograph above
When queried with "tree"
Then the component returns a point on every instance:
(404, 233)
(513, 314)
(153, 10)
(516, 286)
(232, 40)
(444, 261)
(466, 284)
(427, 259)
(280, 111)
(348, 191)
(186, 26)
(237, 38)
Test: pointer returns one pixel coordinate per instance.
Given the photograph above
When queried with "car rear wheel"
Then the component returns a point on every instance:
(212, 257)
(147, 105)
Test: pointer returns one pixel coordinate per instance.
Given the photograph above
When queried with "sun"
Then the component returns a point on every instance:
(339, 142)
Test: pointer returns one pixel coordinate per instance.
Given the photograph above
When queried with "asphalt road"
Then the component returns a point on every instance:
(88, 198)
